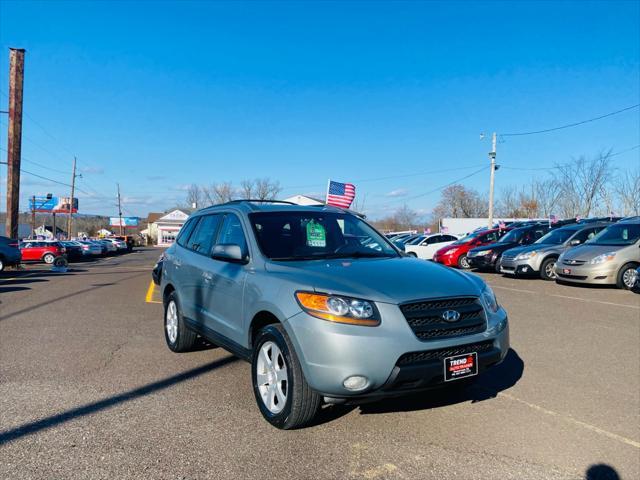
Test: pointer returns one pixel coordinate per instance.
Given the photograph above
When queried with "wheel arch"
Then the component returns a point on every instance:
(168, 289)
(260, 320)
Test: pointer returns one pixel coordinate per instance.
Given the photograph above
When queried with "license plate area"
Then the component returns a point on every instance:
(566, 271)
(460, 366)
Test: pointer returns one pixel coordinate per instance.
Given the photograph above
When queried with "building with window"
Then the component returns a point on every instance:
(162, 231)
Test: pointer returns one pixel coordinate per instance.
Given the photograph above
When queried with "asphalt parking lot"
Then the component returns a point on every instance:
(89, 390)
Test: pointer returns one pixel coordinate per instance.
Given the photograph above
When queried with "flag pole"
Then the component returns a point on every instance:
(326, 195)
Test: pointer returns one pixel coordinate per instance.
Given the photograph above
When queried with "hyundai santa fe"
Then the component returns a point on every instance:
(324, 307)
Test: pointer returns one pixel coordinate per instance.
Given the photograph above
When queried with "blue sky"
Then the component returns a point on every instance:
(158, 95)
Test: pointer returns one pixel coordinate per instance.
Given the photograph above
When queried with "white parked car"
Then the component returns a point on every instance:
(429, 245)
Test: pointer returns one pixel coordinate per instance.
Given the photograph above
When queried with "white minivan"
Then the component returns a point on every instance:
(429, 245)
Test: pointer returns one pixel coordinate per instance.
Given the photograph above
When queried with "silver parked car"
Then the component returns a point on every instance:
(540, 257)
(609, 258)
(324, 307)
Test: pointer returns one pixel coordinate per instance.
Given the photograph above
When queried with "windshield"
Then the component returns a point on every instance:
(618, 234)
(317, 235)
(556, 237)
(467, 239)
(514, 236)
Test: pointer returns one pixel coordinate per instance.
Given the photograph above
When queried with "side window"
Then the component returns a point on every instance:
(489, 237)
(231, 232)
(538, 234)
(185, 231)
(449, 238)
(585, 235)
(201, 240)
(435, 239)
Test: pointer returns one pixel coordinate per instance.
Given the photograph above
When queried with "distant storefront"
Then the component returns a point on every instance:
(166, 228)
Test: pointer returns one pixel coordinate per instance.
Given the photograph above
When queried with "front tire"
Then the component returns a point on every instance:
(48, 258)
(626, 276)
(463, 263)
(548, 269)
(284, 397)
(178, 336)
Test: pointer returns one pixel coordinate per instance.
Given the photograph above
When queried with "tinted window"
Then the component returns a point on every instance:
(185, 231)
(490, 237)
(448, 238)
(434, 239)
(201, 240)
(585, 235)
(232, 233)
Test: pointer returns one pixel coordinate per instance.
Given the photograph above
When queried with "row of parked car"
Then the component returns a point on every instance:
(14, 252)
(602, 251)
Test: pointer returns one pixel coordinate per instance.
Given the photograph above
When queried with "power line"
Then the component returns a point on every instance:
(564, 165)
(38, 164)
(570, 124)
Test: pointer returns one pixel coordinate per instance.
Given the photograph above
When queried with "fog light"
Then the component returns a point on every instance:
(355, 383)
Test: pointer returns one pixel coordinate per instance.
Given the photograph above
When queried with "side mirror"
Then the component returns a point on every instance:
(574, 242)
(229, 252)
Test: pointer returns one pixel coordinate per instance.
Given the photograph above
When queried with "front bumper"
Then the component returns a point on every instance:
(519, 267)
(589, 274)
(390, 356)
(448, 260)
(482, 262)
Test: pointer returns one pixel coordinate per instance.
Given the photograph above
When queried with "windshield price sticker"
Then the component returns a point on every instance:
(460, 366)
(316, 235)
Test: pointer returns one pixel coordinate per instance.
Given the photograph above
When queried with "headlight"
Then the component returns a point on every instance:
(339, 309)
(450, 252)
(527, 255)
(484, 253)
(489, 299)
(605, 257)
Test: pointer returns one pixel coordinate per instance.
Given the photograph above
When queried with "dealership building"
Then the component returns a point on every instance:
(162, 228)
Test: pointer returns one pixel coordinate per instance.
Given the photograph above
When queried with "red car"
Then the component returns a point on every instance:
(455, 254)
(41, 251)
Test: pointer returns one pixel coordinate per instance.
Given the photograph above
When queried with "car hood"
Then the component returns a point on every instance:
(451, 246)
(538, 247)
(389, 280)
(587, 252)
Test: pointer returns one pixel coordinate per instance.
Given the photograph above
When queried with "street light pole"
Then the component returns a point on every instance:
(492, 157)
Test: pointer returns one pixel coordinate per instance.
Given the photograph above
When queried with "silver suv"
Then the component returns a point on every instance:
(540, 257)
(324, 307)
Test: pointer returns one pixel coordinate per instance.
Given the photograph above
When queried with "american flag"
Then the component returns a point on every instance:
(340, 194)
(553, 219)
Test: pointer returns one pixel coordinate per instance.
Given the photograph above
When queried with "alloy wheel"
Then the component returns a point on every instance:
(171, 322)
(629, 278)
(464, 263)
(272, 377)
(550, 270)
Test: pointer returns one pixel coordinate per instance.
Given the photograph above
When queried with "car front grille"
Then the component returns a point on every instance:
(572, 277)
(426, 317)
(442, 353)
(574, 262)
(508, 256)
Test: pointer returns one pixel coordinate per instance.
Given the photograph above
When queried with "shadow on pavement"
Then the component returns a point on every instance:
(106, 403)
(601, 471)
(64, 297)
(4, 289)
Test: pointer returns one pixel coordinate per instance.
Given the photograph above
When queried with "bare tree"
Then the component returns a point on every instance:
(403, 218)
(194, 196)
(547, 194)
(265, 189)
(247, 188)
(458, 201)
(582, 181)
(220, 193)
(628, 192)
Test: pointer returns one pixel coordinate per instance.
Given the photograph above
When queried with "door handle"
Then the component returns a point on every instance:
(207, 276)
(177, 263)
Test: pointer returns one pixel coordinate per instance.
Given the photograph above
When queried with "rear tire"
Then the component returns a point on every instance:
(463, 263)
(496, 267)
(178, 336)
(412, 254)
(626, 276)
(284, 397)
(548, 269)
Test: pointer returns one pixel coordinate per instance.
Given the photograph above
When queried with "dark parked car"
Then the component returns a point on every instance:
(488, 257)
(9, 252)
(74, 250)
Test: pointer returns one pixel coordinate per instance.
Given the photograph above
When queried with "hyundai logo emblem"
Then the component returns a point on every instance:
(451, 316)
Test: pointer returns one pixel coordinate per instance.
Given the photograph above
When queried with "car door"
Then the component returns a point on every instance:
(30, 251)
(225, 283)
(191, 266)
(433, 244)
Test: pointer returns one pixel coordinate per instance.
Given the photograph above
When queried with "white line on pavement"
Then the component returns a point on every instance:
(567, 418)
(512, 289)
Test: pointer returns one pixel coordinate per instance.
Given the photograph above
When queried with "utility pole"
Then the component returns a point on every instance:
(492, 157)
(14, 141)
(119, 209)
(33, 216)
(73, 191)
